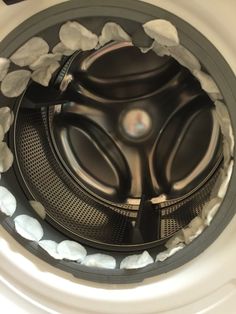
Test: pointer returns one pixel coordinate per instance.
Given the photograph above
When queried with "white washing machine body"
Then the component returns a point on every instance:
(207, 284)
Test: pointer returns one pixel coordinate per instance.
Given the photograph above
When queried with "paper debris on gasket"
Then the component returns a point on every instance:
(224, 186)
(1, 133)
(185, 58)
(193, 230)
(145, 49)
(163, 32)
(50, 247)
(45, 61)
(160, 50)
(29, 228)
(76, 37)
(100, 261)
(43, 76)
(225, 124)
(175, 240)
(30, 51)
(136, 261)
(71, 250)
(60, 48)
(209, 210)
(113, 32)
(4, 67)
(38, 208)
(6, 118)
(6, 157)
(207, 83)
(161, 257)
(15, 83)
(7, 202)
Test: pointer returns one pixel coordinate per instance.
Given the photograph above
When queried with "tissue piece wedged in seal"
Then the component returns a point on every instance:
(163, 32)
(113, 32)
(7, 202)
(136, 261)
(15, 83)
(30, 52)
(76, 37)
(28, 227)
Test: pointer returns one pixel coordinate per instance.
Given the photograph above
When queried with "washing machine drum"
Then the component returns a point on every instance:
(117, 139)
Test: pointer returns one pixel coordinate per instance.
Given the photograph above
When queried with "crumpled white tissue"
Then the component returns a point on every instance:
(15, 83)
(193, 230)
(29, 228)
(50, 247)
(162, 256)
(76, 37)
(223, 118)
(136, 261)
(113, 32)
(1, 133)
(100, 261)
(163, 32)
(6, 118)
(43, 76)
(4, 67)
(71, 250)
(209, 210)
(175, 240)
(7, 202)
(224, 185)
(45, 61)
(30, 52)
(160, 50)
(187, 234)
(185, 58)
(6, 157)
(207, 83)
(60, 48)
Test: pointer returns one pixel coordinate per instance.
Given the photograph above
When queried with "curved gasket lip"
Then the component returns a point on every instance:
(219, 69)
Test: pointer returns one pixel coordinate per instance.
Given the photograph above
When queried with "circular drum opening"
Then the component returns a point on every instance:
(121, 143)
(127, 155)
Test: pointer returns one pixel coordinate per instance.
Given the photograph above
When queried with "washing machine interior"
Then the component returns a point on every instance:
(122, 139)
